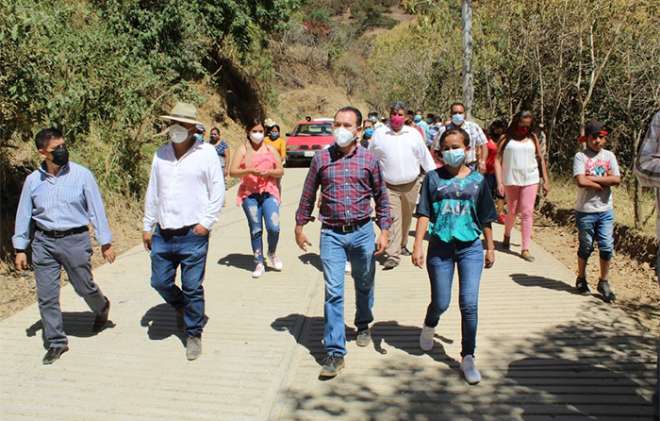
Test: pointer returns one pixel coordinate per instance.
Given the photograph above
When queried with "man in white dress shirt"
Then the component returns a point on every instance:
(401, 153)
(185, 194)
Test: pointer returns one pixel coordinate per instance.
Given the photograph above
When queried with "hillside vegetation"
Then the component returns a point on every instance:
(103, 70)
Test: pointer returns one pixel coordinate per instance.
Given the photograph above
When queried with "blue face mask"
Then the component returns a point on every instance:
(418, 118)
(454, 157)
(457, 119)
(368, 132)
(274, 135)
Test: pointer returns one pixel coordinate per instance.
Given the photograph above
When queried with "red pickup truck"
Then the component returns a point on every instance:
(307, 138)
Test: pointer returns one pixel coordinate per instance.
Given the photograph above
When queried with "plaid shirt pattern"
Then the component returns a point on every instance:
(347, 185)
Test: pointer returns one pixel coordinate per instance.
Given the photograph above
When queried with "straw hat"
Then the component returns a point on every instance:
(183, 112)
(269, 122)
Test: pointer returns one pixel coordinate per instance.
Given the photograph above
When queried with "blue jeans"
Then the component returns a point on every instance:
(359, 247)
(442, 257)
(188, 250)
(598, 227)
(258, 207)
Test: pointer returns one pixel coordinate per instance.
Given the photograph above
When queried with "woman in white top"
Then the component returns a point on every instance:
(517, 166)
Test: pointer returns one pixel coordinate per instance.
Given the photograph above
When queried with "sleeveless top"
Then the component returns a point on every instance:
(519, 165)
(251, 184)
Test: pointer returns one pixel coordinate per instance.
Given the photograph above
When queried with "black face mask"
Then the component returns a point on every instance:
(60, 155)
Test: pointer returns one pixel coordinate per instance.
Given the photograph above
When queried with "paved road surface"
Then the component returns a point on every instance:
(544, 352)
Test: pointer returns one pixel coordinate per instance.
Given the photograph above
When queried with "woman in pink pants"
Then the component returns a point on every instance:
(517, 166)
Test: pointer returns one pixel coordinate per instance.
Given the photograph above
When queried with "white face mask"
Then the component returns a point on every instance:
(256, 137)
(343, 137)
(177, 133)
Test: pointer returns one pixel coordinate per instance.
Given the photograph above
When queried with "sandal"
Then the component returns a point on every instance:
(582, 286)
(527, 255)
(606, 292)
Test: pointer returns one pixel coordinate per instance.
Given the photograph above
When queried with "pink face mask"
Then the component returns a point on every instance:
(396, 121)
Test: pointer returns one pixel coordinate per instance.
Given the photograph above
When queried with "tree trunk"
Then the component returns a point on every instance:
(468, 88)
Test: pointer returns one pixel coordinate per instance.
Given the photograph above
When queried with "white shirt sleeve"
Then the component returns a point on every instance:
(425, 159)
(215, 185)
(481, 136)
(151, 200)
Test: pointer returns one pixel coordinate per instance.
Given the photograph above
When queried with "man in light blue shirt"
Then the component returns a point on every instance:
(420, 122)
(58, 202)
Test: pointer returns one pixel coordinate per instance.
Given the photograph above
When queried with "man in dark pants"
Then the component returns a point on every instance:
(59, 200)
(349, 177)
(185, 194)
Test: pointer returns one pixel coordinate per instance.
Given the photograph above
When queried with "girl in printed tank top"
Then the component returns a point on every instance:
(259, 166)
(517, 166)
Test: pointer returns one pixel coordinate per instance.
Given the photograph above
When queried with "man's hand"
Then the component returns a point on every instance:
(200, 230)
(146, 240)
(108, 253)
(490, 259)
(382, 242)
(21, 261)
(301, 238)
(546, 188)
(418, 257)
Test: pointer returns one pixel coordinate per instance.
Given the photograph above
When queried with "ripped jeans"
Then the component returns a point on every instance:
(260, 206)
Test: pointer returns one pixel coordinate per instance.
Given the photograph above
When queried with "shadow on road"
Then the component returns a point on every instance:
(238, 260)
(312, 259)
(406, 338)
(161, 323)
(542, 282)
(308, 332)
(76, 323)
(599, 366)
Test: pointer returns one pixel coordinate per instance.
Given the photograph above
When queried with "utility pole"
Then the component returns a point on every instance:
(468, 86)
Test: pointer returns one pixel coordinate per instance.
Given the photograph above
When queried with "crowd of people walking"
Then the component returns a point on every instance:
(378, 175)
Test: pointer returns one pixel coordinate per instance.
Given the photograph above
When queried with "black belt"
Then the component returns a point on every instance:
(62, 234)
(176, 232)
(344, 229)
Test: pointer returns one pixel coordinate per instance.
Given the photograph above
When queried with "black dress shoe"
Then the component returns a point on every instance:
(54, 354)
(102, 319)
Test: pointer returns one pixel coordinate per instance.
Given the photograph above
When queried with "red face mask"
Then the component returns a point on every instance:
(396, 121)
(521, 132)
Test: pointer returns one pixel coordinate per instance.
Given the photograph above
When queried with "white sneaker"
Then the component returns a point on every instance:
(275, 262)
(348, 267)
(259, 270)
(426, 338)
(470, 371)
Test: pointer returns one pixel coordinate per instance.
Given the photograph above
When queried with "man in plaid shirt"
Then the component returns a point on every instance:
(349, 177)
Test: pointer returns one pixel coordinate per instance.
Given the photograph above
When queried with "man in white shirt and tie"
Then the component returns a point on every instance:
(185, 195)
(401, 153)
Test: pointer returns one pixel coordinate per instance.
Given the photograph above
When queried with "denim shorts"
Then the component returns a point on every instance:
(596, 227)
